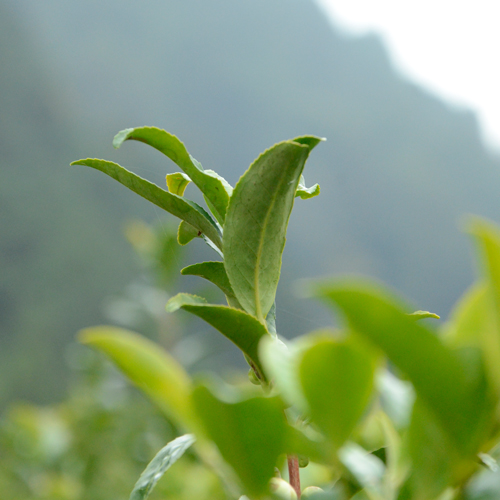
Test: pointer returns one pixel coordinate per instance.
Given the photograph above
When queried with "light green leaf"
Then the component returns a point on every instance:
(366, 468)
(177, 183)
(487, 236)
(213, 272)
(176, 205)
(423, 315)
(210, 185)
(149, 367)
(186, 233)
(256, 223)
(337, 382)
(250, 434)
(165, 458)
(304, 192)
(449, 387)
(235, 324)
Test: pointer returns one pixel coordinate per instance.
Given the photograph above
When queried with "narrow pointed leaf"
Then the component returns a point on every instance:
(163, 460)
(176, 205)
(337, 382)
(250, 434)
(423, 315)
(256, 223)
(214, 272)
(458, 398)
(304, 192)
(149, 367)
(177, 183)
(210, 185)
(239, 327)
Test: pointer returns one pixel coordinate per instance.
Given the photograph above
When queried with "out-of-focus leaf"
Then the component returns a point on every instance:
(458, 398)
(487, 235)
(366, 468)
(210, 185)
(149, 367)
(337, 382)
(396, 397)
(176, 205)
(304, 192)
(177, 183)
(423, 315)
(250, 434)
(166, 457)
(256, 222)
(239, 327)
(186, 233)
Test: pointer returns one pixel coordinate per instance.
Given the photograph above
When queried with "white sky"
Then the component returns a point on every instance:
(450, 47)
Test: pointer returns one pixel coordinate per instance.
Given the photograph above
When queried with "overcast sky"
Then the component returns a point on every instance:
(452, 48)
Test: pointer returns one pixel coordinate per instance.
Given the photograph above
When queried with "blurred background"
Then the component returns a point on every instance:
(400, 168)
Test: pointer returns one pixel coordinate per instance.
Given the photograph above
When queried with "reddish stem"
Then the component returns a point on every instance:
(294, 474)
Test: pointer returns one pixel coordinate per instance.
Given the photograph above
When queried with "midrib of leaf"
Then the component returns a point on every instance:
(258, 255)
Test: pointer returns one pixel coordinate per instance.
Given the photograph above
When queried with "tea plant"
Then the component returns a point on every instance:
(392, 406)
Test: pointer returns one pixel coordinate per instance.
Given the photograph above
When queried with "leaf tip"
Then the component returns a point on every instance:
(121, 137)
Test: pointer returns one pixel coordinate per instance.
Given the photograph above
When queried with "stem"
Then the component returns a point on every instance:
(294, 473)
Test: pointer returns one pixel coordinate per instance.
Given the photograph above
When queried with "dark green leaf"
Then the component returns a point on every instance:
(256, 222)
(235, 324)
(213, 272)
(250, 434)
(210, 184)
(166, 457)
(176, 205)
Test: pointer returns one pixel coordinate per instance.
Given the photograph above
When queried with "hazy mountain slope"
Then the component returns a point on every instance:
(230, 78)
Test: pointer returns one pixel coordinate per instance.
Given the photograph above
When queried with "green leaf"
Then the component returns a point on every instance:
(304, 192)
(210, 184)
(214, 272)
(250, 434)
(177, 183)
(337, 382)
(458, 398)
(238, 326)
(256, 223)
(487, 236)
(186, 233)
(176, 205)
(165, 458)
(423, 315)
(149, 367)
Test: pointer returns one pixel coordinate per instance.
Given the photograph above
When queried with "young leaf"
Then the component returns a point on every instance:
(186, 233)
(177, 183)
(165, 458)
(423, 315)
(337, 382)
(212, 186)
(304, 192)
(256, 222)
(176, 205)
(460, 401)
(149, 367)
(250, 434)
(238, 326)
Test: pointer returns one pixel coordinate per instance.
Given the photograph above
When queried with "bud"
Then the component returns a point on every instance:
(253, 377)
(282, 489)
(303, 461)
(310, 491)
